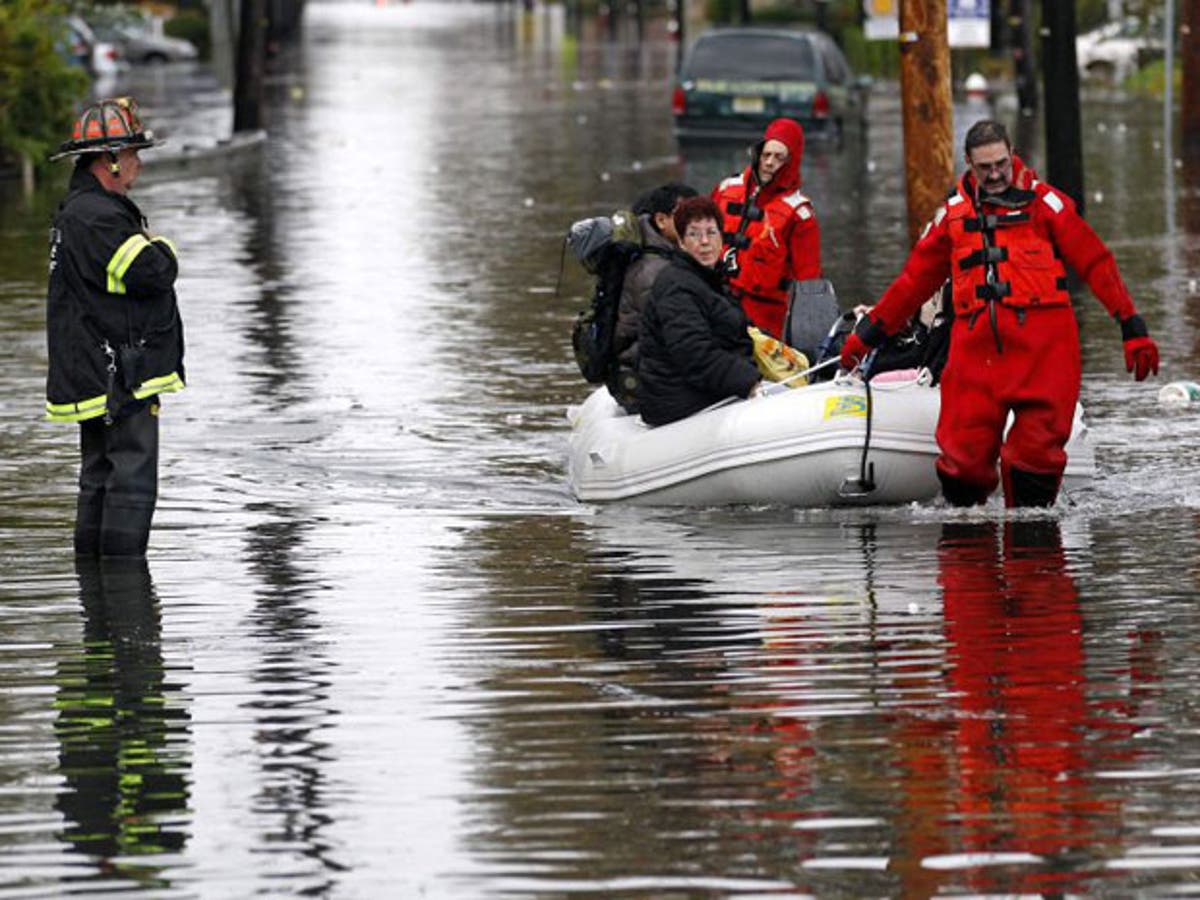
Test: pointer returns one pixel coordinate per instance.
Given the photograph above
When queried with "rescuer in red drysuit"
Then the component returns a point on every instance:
(1002, 238)
(778, 241)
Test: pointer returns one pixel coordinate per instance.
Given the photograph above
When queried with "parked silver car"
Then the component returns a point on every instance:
(139, 37)
(143, 45)
(1115, 51)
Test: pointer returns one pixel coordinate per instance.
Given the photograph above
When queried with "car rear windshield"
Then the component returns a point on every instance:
(752, 58)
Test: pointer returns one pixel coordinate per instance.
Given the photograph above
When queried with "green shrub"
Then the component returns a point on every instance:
(39, 89)
(721, 12)
(1151, 80)
(880, 59)
(779, 15)
(191, 25)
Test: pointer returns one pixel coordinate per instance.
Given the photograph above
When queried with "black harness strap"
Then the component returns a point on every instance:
(986, 256)
(993, 291)
(739, 240)
(749, 211)
(990, 222)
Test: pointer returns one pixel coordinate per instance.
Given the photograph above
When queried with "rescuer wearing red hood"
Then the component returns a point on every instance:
(1005, 239)
(771, 234)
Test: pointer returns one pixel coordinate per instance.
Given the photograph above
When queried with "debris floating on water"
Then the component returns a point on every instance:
(1179, 394)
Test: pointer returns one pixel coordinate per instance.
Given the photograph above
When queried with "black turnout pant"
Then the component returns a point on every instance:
(118, 484)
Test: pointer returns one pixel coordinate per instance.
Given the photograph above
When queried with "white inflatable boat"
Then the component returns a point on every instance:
(802, 447)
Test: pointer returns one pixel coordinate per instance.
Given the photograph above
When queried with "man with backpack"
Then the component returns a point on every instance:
(653, 210)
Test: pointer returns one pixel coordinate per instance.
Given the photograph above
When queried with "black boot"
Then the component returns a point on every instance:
(132, 486)
(126, 529)
(1030, 488)
(961, 493)
(89, 512)
(94, 469)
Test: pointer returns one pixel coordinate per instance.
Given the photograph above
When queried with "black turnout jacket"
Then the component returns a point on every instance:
(111, 286)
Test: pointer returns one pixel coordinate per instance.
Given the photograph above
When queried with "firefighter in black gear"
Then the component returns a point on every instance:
(113, 330)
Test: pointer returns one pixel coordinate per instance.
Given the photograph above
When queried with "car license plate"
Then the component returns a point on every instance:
(748, 104)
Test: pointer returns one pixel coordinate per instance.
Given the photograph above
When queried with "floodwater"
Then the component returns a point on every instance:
(378, 649)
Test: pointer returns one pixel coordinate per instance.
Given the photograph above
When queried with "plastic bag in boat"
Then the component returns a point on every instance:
(776, 360)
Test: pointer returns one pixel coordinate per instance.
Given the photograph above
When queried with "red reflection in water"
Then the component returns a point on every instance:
(1015, 762)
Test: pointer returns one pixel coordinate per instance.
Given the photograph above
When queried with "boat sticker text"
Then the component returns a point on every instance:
(845, 405)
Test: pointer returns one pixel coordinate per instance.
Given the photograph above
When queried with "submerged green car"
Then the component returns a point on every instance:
(735, 80)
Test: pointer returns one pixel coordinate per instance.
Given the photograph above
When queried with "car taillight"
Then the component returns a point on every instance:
(678, 101)
(821, 105)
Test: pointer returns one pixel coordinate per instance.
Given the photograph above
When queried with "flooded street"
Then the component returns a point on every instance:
(379, 650)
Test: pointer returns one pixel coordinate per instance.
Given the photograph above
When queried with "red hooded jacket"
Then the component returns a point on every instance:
(784, 244)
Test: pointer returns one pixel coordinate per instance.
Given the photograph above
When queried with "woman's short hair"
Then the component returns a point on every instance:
(694, 209)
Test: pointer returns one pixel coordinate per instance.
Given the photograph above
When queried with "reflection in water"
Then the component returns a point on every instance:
(292, 708)
(706, 715)
(761, 704)
(277, 367)
(1012, 764)
(123, 729)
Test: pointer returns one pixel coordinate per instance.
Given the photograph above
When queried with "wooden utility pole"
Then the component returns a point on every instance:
(1060, 84)
(249, 66)
(1189, 45)
(926, 106)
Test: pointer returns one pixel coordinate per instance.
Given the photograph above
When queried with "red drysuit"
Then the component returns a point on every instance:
(784, 244)
(1014, 344)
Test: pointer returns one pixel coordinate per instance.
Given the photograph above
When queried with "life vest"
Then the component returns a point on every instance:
(763, 264)
(1006, 242)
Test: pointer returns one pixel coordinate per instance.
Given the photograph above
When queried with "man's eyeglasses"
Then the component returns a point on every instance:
(702, 234)
(999, 165)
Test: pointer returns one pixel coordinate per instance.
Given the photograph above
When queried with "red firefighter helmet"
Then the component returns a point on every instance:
(107, 127)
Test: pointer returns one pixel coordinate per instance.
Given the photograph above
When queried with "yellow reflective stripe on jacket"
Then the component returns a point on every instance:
(163, 384)
(76, 412)
(170, 245)
(122, 260)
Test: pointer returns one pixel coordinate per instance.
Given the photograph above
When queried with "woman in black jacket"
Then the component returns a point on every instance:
(694, 348)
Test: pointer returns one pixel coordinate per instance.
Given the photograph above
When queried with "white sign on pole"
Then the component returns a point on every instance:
(968, 22)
